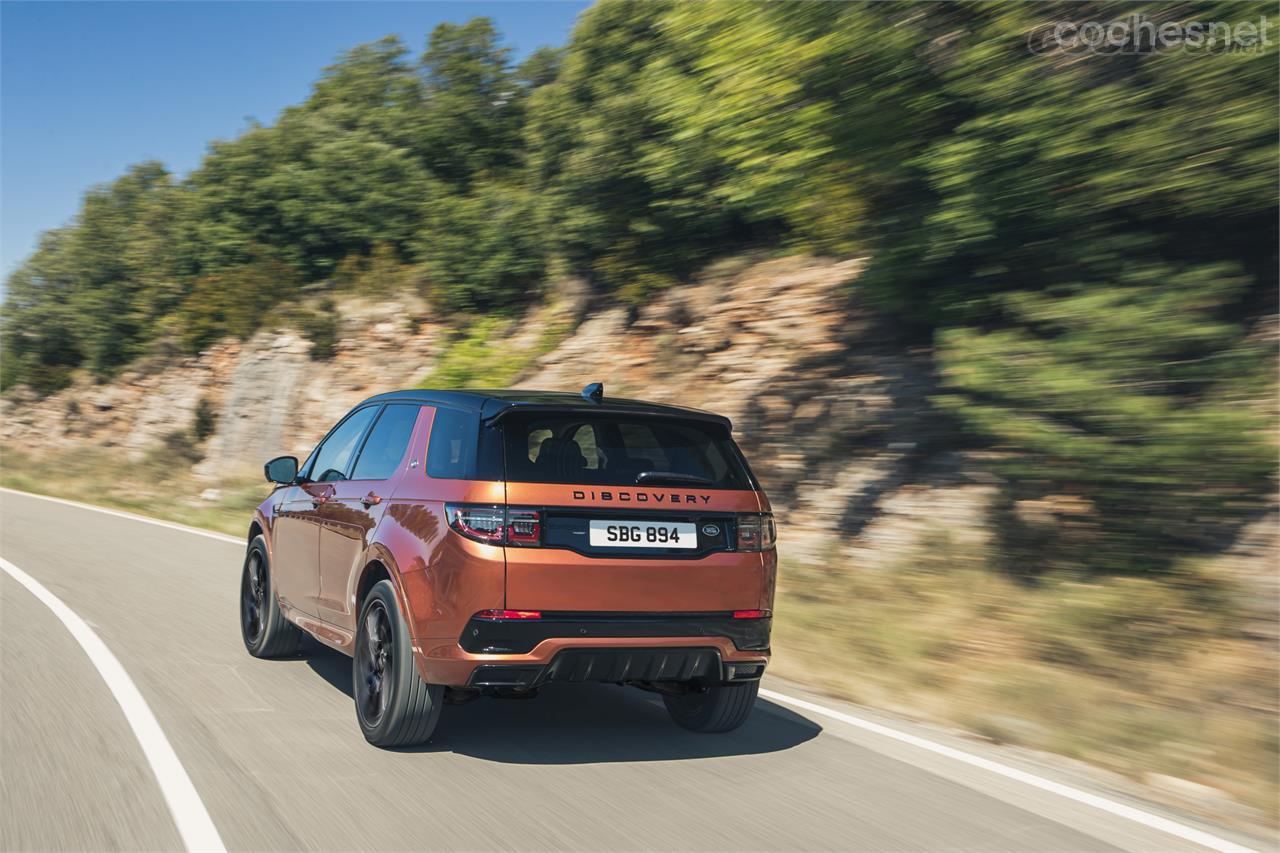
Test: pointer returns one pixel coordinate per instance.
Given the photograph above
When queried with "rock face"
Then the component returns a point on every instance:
(270, 397)
(132, 413)
(830, 408)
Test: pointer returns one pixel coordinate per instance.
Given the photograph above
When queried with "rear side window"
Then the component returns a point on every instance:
(386, 444)
(451, 452)
(460, 448)
(622, 450)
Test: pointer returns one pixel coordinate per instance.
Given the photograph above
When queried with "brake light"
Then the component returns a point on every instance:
(752, 614)
(495, 524)
(756, 532)
(508, 614)
(524, 526)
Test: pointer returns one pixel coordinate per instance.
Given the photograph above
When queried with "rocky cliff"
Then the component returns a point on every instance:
(829, 406)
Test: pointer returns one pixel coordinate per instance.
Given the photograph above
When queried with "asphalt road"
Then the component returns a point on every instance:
(274, 752)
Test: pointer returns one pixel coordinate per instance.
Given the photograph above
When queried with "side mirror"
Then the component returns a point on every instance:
(282, 470)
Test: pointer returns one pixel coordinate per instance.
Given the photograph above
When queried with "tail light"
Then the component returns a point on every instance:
(524, 526)
(756, 532)
(752, 614)
(495, 524)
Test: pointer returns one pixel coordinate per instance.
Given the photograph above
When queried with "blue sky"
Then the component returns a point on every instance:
(88, 88)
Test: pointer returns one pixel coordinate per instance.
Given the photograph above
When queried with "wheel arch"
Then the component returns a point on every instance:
(261, 526)
(379, 565)
(373, 572)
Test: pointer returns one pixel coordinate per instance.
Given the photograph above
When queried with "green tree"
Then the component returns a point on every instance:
(480, 252)
(41, 346)
(470, 126)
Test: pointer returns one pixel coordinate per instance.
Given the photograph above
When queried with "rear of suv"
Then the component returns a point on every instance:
(460, 544)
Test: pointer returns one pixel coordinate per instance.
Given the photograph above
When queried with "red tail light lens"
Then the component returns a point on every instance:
(524, 526)
(751, 614)
(481, 523)
(756, 532)
(495, 524)
(508, 614)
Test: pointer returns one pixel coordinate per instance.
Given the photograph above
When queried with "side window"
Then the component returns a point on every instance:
(452, 448)
(385, 446)
(333, 456)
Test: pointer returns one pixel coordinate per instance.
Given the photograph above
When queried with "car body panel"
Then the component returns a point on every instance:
(296, 541)
(553, 579)
(348, 520)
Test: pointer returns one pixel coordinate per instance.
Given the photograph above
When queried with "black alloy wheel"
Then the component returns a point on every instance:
(253, 599)
(266, 633)
(394, 706)
(374, 661)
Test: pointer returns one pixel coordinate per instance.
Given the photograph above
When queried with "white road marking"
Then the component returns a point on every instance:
(1147, 819)
(133, 516)
(1174, 828)
(189, 814)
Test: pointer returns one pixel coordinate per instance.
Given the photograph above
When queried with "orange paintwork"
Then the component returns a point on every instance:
(324, 538)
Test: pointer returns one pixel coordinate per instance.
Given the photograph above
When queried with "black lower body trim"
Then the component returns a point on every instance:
(519, 636)
(618, 665)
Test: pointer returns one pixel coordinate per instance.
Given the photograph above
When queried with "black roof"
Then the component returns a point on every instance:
(493, 404)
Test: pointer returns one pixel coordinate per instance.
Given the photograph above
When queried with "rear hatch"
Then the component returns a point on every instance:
(638, 513)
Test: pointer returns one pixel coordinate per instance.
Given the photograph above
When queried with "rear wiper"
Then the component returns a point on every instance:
(671, 477)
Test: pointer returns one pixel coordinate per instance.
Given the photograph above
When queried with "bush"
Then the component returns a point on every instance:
(206, 420)
(480, 356)
(234, 302)
(380, 273)
(320, 327)
(180, 446)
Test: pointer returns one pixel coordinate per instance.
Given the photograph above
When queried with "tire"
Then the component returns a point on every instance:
(265, 631)
(719, 708)
(394, 706)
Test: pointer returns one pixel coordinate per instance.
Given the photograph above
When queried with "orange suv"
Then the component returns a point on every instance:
(484, 543)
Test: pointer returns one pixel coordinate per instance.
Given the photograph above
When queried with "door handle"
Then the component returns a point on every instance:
(370, 499)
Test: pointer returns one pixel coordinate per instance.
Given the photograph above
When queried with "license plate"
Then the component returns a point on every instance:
(643, 534)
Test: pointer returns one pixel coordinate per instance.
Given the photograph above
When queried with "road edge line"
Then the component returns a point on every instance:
(1136, 815)
(185, 806)
(172, 525)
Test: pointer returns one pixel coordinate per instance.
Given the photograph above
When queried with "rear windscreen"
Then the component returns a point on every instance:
(619, 450)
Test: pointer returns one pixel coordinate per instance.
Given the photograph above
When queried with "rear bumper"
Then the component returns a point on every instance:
(620, 665)
(521, 636)
(588, 658)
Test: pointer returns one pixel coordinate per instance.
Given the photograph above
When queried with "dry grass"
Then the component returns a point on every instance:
(1136, 675)
(159, 484)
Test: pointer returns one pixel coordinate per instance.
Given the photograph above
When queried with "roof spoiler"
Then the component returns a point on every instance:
(605, 409)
